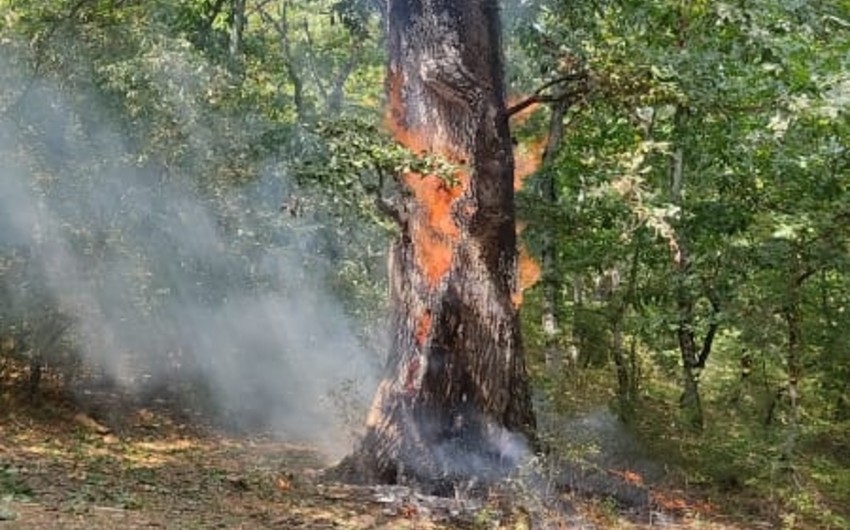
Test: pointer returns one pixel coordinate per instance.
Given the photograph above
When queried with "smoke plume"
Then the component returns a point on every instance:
(165, 283)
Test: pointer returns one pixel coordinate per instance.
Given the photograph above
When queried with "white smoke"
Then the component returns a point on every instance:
(166, 283)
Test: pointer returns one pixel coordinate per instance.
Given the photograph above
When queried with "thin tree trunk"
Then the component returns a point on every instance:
(576, 347)
(793, 314)
(793, 319)
(626, 366)
(690, 400)
(743, 379)
(455, 400)
(335, 97)
(692, 365)
(551, 278)
(237, 29)
(290, 61)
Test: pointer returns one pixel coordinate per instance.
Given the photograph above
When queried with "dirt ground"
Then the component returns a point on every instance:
(64, 468)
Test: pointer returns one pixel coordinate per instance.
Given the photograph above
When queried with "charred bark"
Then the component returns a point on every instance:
(455, 403)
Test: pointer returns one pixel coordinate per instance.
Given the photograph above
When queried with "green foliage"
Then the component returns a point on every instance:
(150, 90)
(361, 167)
(11, 483)
(752, 99)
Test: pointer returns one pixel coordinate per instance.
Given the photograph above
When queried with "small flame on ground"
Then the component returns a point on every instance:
(677, 502)
(628, 476)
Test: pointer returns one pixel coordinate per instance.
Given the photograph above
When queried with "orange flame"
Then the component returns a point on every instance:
(436, 237)
(628, 476)
(527, 160)
(677, 501)
(529, 273)
(423, 327)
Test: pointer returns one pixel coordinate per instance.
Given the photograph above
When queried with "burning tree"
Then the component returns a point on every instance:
(455, 400)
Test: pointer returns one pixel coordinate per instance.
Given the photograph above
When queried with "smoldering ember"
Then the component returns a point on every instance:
(424, 264)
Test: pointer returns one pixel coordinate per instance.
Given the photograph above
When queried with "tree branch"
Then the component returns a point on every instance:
(282, 28)
(708, 340)
(334, 102)
(311, 58)
(538, 95)
(803, 276)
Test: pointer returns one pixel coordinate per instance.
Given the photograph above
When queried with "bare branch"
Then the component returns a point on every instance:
(538, 95)
(281, 26)
(708, 340)
(311, 58)
(334, 101)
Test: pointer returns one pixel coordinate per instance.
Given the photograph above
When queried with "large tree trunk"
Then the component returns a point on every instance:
(455, 401)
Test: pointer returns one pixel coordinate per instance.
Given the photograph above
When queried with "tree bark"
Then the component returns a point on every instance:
(455, 403)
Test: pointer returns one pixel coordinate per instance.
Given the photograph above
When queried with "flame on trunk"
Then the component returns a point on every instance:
(423, 327)
(436, 237)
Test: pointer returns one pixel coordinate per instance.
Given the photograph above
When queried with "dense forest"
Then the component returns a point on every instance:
(198, 199)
